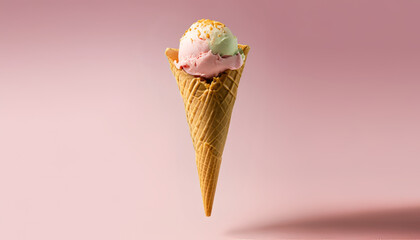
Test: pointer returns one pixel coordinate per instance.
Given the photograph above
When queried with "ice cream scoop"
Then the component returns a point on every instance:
(208, 48)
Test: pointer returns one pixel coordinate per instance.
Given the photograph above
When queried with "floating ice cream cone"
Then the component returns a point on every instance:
(208, 105)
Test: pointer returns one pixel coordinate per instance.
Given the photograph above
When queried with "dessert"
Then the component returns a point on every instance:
(208, 67)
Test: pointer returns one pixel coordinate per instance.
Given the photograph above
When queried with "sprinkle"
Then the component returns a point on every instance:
(207, 35)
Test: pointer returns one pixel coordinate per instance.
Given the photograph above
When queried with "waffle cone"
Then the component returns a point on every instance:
(208, 107)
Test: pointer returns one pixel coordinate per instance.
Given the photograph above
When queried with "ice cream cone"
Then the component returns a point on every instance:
(208, 106)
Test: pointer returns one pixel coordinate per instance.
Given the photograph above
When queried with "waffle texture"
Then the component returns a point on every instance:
(208, 106)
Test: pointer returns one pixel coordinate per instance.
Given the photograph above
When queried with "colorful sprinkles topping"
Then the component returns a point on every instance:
(210, 25)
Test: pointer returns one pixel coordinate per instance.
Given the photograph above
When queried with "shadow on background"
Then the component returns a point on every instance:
(396, 223)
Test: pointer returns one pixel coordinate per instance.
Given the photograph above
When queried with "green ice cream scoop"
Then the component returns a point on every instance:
(223, 42)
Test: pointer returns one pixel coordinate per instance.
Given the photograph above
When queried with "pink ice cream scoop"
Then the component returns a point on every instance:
(207, 49)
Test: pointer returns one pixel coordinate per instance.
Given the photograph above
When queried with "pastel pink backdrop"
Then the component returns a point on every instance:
(94, 142)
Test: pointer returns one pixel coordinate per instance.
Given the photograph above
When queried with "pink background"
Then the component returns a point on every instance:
(324, 139)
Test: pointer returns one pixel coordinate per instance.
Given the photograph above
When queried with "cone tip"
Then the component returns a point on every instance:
(208, 206)
(208, 212)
